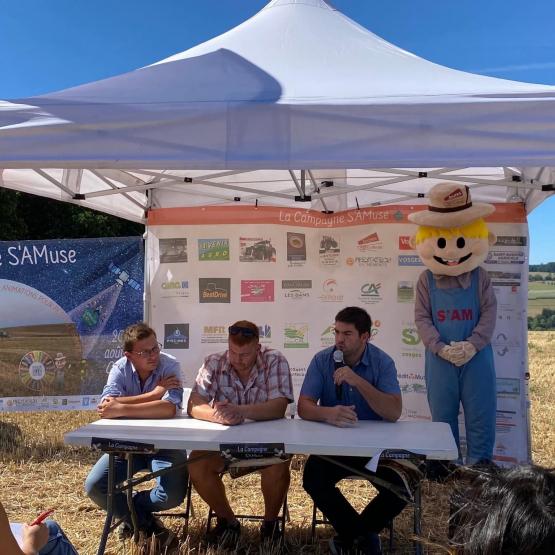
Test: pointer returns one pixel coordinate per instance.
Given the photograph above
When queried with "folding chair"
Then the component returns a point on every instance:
(187, 513)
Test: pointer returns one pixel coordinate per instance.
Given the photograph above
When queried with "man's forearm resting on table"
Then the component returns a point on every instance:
(388, 405)
(200, 408)
(155, 395)
(309, 409)
(268, 410)
(150, 409)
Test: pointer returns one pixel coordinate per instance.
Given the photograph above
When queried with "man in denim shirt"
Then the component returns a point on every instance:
(361, 385)
(145, 383)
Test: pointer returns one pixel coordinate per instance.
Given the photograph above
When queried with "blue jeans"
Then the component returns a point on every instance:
(169, 491)
(57, 543)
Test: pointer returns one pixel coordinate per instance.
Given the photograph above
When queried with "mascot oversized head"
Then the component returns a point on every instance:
(452, 238)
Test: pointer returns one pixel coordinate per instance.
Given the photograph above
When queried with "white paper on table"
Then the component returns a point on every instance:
(372, 464)
(17, 531)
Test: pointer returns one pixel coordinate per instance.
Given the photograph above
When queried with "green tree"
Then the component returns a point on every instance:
(24, 216)
(12, 224)
(542, 322)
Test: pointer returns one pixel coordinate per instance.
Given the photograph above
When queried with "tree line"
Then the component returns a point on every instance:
(547, 267)
(24, 216)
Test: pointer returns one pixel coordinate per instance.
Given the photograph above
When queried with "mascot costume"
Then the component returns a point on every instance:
(455, 314)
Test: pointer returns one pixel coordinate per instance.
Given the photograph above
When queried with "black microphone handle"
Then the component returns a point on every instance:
(339, 391)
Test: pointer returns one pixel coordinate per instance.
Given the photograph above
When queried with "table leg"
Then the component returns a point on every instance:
(129, 496)
(418, 519)
(110, 504)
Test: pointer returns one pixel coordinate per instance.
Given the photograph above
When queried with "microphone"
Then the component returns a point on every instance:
(338, 363)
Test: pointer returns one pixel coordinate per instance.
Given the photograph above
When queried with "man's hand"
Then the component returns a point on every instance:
(110, 407)
(342, 416)
(34, 537)
(227, 413)
(345, 375)
(164, 384)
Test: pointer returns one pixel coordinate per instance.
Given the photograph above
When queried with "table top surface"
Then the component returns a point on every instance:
(366, 438)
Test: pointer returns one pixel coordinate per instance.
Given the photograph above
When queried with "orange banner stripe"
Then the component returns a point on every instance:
(210, 215)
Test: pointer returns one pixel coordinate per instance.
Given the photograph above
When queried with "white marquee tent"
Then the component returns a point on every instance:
(298, 104)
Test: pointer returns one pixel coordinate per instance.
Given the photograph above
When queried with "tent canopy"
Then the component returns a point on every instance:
(297, 104)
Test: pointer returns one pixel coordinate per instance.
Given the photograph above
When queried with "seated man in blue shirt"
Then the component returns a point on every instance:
(145, 383)
(363, 386)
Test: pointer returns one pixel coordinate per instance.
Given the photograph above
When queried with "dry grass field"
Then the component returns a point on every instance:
(37, 470)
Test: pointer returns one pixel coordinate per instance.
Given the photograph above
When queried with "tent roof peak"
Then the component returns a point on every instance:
(312, 3)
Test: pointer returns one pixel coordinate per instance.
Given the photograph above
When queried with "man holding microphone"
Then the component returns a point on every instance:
(353, 380)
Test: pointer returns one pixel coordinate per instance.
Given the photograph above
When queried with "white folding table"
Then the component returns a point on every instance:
(432, 440)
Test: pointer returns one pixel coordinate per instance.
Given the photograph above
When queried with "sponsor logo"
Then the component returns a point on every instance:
(257, 290)
(86, 402)
(370, 293)
(511, 241)
(214, 290)
(454, 314)
(369, 243)
(502, 344)
(330, 291)
(409, 336)
(404, 243)
(329, 251)
(37, 370)
(173, 250)
(506, 257)
(376, 325)
(296, 247)
(454, 196)
(409, 260)
(256, 249)
(296, 284)
(505, 279)
(214, 334)
(413, 387)
(176, 336)
(295, 336)
(175, 288)
(373, 261)
(296, 294)
(508, 387)
(213, 249)
(328, 244)
(412, 344)
(405, 291)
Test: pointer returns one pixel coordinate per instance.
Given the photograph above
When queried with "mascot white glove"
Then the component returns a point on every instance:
(446, 352)
(461, 352)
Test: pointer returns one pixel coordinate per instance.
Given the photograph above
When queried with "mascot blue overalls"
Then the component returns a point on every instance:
(455, 314)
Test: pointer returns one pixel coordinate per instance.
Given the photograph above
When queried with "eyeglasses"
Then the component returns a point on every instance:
(147, 352)
(247, 332)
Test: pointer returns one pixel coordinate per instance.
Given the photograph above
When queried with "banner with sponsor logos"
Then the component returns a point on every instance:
(63, 307)
(290, 271)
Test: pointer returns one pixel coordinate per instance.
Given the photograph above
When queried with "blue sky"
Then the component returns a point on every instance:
(53, 44)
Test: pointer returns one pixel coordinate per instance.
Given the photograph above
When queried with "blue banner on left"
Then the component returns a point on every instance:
(63, 307)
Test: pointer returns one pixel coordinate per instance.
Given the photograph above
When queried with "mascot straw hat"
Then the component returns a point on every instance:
(450, 205)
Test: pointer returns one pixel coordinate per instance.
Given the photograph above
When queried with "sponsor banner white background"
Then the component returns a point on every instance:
(291, 280)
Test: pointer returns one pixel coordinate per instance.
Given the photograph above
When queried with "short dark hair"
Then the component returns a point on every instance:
(239, 338)
(500, 510)
(134, 333)
(356, 316)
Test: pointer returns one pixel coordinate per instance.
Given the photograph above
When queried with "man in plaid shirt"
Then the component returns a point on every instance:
(248, 381)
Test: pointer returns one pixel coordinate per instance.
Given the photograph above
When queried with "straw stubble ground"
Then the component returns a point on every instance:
(39, 471)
